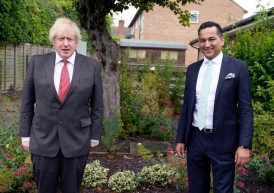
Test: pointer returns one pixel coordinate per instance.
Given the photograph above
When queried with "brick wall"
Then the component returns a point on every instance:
(162, 24)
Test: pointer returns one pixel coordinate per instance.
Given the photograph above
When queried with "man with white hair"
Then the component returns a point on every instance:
(61, 111)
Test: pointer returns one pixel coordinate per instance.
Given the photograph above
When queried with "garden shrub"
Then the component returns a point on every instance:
(112, 127)
(95, 175)
(146, 107)
(122, 181)
(158, 174)
(254, 45)
(180, 166)
(263, 135)
(144, 152)
(16, 167)
(262, 164)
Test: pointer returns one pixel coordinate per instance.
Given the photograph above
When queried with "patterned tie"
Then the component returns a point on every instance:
(64, 82)
(202, 108)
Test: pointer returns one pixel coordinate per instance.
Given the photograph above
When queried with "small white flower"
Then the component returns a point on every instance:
(139, 144)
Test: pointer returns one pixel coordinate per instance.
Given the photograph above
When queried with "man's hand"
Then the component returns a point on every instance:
(242, 156)
(93, 144)
(180, 149)
(25, 145)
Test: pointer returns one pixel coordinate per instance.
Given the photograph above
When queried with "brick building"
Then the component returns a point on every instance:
(232, 29)
(161, 24)
(120, 30)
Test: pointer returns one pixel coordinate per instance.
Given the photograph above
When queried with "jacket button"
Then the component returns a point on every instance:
(60, 123)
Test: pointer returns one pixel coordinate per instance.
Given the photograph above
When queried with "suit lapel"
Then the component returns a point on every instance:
(193, 83)
(223, 72)
(77, 72)
(49, 67)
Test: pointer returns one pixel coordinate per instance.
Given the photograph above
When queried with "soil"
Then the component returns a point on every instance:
(122, 160)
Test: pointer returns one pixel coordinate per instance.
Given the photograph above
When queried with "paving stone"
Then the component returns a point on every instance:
(99, 148)
(153, 146)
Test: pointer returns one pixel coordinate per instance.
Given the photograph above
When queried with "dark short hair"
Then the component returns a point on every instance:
(211, 24)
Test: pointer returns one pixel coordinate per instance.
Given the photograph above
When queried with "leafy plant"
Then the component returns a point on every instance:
(263, 132)
(180, 165)
(263, 139)
(15, 168)
(254, 45)
(146, 107)
(262, 164)
(144, 152)
(95, 175)
(158, 174)
(112, 129)
(122, 181)
(240, 171)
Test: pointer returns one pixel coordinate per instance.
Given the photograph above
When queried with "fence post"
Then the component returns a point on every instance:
(27, 63)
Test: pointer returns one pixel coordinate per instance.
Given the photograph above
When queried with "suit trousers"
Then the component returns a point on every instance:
(202, 157)
(49, 170)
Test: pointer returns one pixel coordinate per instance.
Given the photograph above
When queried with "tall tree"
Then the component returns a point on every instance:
(92, 18)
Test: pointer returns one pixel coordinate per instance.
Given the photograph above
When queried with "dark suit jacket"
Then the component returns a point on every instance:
(69, 125)
(233, 116)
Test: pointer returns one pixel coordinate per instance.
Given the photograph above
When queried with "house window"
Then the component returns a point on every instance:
(132, 53)
(137, 54)
(141, 54)
(142, 22)
(172, 55)
(194, 16)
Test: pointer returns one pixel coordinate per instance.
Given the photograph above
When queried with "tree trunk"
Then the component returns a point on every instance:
(92, 19)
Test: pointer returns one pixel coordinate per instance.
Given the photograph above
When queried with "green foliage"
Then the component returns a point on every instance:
(262, 164)
(95, 175)
(267, 93)
(130, 102)
(144, 152)
(263, 139)
(15, 167)
(180, 180)
(255, 45)
(146, 107)
(177, 89)
(263, 135)
(158, 174)
(29, 21)
(109, 22)
(112, 129)
(6, 180)
(122, 181)
(238, 185)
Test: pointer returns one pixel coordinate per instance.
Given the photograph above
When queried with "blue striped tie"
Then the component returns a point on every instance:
(202, 108)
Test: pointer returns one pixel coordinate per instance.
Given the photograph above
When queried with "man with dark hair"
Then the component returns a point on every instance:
(216, 122)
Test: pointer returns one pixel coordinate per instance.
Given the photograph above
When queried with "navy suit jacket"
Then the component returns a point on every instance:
(69, 125)
(233, 115)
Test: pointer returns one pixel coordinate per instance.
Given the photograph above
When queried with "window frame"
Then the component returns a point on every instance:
(194, 13)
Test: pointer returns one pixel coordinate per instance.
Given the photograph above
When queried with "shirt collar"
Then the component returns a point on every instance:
(70, 59)
(217, 60)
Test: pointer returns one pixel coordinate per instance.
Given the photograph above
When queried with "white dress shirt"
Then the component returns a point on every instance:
(57, 74)
(217, 62)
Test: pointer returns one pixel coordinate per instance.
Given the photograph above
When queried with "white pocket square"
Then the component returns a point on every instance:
(230, 76)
